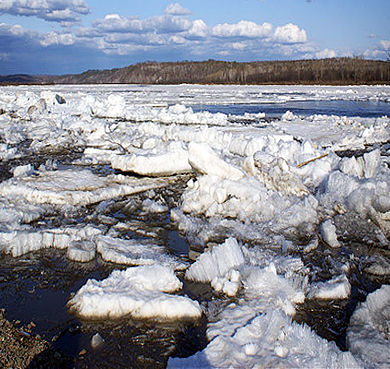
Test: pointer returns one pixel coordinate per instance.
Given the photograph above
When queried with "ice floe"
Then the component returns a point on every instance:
(134, 252)
(144, 292)
(73, 187)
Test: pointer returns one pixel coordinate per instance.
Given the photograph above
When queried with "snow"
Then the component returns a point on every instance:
(261, 189)
(144, 292)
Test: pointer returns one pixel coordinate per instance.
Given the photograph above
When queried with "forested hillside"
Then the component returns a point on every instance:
(327, 71)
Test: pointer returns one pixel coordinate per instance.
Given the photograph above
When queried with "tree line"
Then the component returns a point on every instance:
(347, 70)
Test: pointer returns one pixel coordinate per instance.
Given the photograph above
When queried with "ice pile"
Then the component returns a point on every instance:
(259, 193)
(265, 339)
(143, 292)
(369, 329)
(257, 329)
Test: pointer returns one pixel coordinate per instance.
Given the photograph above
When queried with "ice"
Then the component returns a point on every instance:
(335, 289)
(205, 161)
(23, 170)
(262, 191)
(96, 341)
(366, 166)
(173, 160)
(19, 242)
(369, 329)
(151, 206)
(276, 174)
(216, 263)
(328, 233)
(144, 292)
(82, 251)
(379, 266)
(254, 334)
(134, 252)
(264, 340)
(73, 187)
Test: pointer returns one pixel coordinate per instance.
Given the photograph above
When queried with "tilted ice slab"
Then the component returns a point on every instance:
(135, 252)
(230, 266)
(143, 292)
(218, 267)
(368, 334)
(77, 187)
(173, 159)
(204, 160)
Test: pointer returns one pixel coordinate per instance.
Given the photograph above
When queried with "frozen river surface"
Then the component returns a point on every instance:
(198, 226)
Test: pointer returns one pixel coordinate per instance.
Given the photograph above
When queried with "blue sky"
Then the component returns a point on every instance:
(71, 36)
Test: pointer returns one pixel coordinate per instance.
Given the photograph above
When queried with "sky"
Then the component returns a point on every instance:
(72, 36)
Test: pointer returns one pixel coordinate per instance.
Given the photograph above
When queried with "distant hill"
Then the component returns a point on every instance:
(21, 79)
(324, 71)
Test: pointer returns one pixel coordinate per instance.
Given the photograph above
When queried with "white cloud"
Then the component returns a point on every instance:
(50, 10)
(169, 24)
(239, 45)
(326, 53)
(177, 40)
(385, 44)
(199, 29)
(160, 24)
(378, 51)
(11, 30)
(176, 9)
(243, 29)
(170, 35)
(54, 38)
(290, 34)
(116, 23)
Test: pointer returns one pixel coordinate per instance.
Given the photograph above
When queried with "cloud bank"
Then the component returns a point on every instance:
(49, 10)
(172, 35)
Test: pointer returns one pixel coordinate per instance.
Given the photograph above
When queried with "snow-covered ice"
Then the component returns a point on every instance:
(267, 196)
(143, 292)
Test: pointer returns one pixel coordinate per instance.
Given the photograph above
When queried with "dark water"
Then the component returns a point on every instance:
(365, 109)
